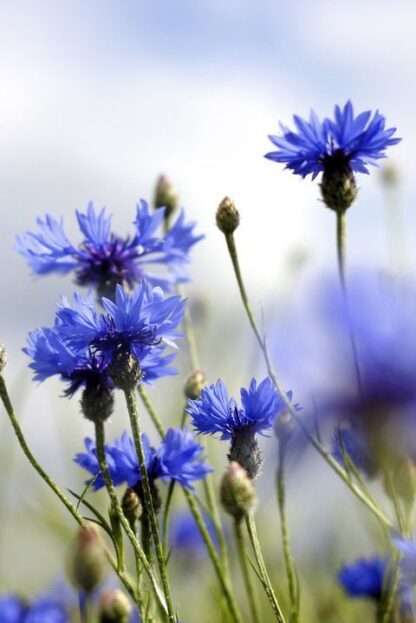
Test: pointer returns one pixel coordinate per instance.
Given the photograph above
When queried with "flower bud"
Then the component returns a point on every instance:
(338, 187)
(3, 358)
(237, 493)
(88, 562)
(114, 607)
(125, 371)
(227, 217)
(97, 403)
(166, 196)
(194, 385)
(131, 505)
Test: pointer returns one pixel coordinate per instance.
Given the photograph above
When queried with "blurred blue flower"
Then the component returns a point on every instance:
(12, 609)
(177, 458)
(103, 259)
(353, 443)
(215, 412)
(364, 577)
(346, 141)
(407, 548)
(42, 610)
(185, 537)
(82, 344)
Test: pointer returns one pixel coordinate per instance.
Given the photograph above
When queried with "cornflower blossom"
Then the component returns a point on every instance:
(120, 346)
(336, 148)
(177, 458)
(215, 413)
(103, 259)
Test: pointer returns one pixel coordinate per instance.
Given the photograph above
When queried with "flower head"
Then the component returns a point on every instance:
(364, 577)
(83, 345)
(178, 458)
(41, 610)
(345, 140)
(103, 259)
(215, 412)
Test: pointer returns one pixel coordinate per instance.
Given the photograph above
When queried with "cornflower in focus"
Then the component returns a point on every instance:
(336, 148)
(216, 413)
(103, 259)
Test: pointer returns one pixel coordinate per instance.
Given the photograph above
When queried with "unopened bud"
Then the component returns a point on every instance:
(97, 403)
(114, 607)
(125, 371)
(166, 196)
(389, 175)
(88, 563)
(284, 426)
(131, 505)
(194, 385)
(3, 358)
(227, 217)
(338, 186)
(237, 493)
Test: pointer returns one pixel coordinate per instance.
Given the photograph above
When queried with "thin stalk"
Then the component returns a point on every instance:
(242, 556)
(151, 411)
(223, 580)
(100, 444)
(267, 585)
(189, 331)
(148, 502)
(273, 376)
(281, 498)
(51, 484)
(166, 510)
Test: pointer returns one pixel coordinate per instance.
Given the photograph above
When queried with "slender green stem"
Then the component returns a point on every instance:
(100, 443)
(188, 329)
(22, 441)
(166, 510)
(151, 411)
(267, 585)
(148, 502)
(281, 498)
(242, 556)
(273, 376)
(341, 237)
(224, 583)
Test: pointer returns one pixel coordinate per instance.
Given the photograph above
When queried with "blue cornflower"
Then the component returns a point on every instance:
(42, 610)
(216, 413)
(103, 259)
(185, 537)
(177, 458)
(365, 577)
(316, 146)
(83, 345)
(12, 609)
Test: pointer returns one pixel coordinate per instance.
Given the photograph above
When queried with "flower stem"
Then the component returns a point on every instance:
(242, 556)
(148, 502)
(189, 331)
(281, 498)
(273, 376)
(341, 222)
(100, 444)
(267, 585)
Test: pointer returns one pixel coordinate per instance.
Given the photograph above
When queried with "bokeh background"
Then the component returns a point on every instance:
(97, 99)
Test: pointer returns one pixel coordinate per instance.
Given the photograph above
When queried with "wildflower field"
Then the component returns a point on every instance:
(178, 444)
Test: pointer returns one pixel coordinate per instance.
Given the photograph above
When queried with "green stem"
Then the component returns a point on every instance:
(273, 376)
(281, 498)
(100, 444)
(242, 556)
(267, 585)
(151, 411)
(224, 583)
(341, 243)
(189, 332)
(166, 510)
(148, 502)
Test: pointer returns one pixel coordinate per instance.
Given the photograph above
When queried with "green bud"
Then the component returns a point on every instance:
(227, 217)
(114, 607)
(237, 493)
(389, 175)
(194, 385)
(88, 562)
(166, 196)
(131, 505)
(3, 358)
(125, 371)
(97, 403)
(245, 450)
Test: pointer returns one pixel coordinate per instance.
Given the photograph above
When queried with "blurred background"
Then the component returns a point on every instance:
(97, 99)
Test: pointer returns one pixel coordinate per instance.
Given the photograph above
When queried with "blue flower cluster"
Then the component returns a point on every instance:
(215, 412)
(44, 610)
(103, 259)
(82, 344)
(355, 141)
(177, 458)
(365, 577)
